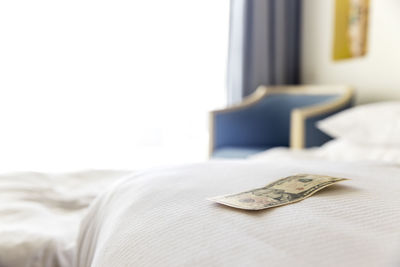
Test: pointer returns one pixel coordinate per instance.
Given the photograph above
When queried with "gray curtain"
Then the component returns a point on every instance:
(264, 45)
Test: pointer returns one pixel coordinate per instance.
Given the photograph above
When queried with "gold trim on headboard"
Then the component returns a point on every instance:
(300, 115)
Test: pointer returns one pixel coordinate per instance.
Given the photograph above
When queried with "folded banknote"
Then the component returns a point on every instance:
(281, 192)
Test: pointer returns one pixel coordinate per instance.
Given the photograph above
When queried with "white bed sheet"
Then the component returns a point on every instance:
(161, 218)
(40, 215)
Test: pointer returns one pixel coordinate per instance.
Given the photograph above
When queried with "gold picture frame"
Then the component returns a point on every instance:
(351, 29)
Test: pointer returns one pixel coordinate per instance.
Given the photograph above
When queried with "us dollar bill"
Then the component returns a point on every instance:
(281, 192)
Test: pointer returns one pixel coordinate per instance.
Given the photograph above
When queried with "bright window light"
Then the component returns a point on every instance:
(109, 84)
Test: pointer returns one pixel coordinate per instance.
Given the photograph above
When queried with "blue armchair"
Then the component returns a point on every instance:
(275, 116)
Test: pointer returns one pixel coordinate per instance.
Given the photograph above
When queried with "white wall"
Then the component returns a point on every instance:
(375, 76)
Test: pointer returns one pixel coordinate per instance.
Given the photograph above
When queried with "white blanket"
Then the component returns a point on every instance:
(40, 215)
(161, 218)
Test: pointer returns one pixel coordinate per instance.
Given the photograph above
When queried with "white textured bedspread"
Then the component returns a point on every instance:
(161, 218)
(40, 215)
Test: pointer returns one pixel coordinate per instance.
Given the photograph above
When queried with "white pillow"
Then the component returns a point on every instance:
(345, 150)
(377, 123)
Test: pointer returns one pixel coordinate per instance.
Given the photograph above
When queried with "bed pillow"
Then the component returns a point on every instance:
(345, 150)
(377, 123)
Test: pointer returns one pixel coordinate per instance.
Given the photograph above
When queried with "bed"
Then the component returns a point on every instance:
(162, 218)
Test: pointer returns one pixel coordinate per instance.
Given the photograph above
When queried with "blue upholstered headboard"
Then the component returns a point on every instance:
(266, 123)
(267, 120)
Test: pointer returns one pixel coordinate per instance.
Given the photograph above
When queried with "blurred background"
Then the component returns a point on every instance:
(129, 84)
